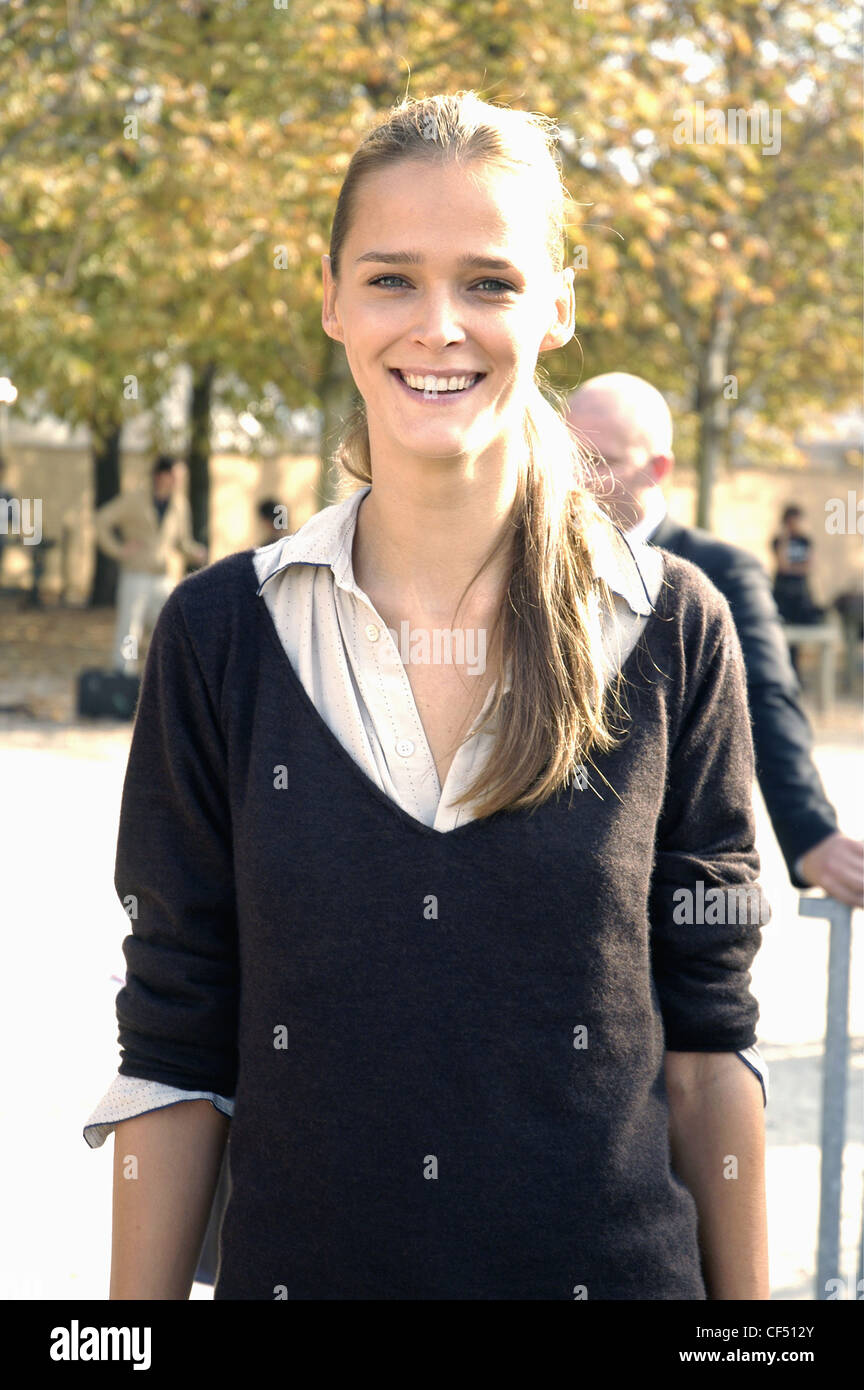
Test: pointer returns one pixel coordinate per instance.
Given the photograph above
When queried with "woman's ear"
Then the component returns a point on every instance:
(564, 325)
(329, 315)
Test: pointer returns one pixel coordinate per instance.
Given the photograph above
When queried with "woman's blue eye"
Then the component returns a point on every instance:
(380, 278)
(505, 287)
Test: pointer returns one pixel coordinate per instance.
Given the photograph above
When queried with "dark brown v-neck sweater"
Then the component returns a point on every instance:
(446, 1048)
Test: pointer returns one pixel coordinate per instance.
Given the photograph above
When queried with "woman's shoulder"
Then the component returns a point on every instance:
(222, 580)
(693, 605)
(215, 604)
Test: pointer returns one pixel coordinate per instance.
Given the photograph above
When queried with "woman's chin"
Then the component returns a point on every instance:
(439, 442)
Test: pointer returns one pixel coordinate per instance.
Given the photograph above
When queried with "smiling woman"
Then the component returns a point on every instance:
(444, 351)
(467, 1048)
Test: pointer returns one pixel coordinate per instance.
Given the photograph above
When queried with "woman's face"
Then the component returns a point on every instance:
(445, 278)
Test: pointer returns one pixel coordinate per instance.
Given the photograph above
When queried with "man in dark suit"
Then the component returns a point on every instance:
(626, 420)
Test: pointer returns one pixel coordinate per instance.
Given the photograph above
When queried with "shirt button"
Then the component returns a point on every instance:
(404, 748)
(371, 632)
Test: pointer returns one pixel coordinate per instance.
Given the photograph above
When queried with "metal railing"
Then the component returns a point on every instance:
(835, 1078)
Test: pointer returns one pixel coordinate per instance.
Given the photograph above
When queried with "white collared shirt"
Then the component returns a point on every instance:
(354, 671)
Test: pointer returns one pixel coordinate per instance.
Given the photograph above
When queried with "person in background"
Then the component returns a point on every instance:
(793, 553)
(275, 520)
(153, 528)
(793, 558)
(627, 421)
(5, 496)
(849, 607)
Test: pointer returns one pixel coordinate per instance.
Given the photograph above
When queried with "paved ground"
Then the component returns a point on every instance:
(61, 789)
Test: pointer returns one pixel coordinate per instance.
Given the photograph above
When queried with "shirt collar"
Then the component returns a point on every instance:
(655, 511)
(327, 539)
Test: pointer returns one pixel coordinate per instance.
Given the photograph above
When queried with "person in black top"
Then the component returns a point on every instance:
(629, 423)
(793, 556)
(275, 520)
(530, 1097)
(793, 553)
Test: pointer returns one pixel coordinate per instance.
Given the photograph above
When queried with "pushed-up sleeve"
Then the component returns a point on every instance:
(177, 1012)
(128, 1096)
(707, 908)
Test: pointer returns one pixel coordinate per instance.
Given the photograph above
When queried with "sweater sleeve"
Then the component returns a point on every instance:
(706, 907)
(177, 1012)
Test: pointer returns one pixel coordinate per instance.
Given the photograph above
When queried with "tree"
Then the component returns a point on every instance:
(734, 271)
(168, 176)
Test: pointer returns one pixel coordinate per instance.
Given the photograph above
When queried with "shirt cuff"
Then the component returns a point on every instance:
(133, 1095)
(752, 1058)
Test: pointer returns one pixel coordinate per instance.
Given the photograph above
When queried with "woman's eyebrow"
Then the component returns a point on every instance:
(478, 262)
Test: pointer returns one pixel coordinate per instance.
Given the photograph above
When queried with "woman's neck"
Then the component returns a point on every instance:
(417, 543)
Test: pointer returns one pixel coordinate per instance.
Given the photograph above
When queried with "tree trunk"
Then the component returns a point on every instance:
(106, 484)
(712, 403)
(338, 397)
(199, 450)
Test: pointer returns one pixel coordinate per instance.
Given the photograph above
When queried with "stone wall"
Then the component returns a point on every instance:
(747, 508)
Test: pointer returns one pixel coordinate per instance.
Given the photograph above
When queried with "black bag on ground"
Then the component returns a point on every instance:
(107, 694)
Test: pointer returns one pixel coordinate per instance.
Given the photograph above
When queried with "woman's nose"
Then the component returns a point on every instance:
(439, 320)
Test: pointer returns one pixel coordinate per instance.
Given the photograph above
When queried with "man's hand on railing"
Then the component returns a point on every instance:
(837, 865)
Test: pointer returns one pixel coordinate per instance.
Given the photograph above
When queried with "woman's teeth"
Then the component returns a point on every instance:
(434, 384)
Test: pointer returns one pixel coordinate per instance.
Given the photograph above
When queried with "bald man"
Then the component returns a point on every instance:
(626, 421)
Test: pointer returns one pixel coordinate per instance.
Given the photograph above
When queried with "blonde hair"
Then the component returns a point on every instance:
(553, 720)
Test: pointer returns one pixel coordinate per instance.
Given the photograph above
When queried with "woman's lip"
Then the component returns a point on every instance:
(437, 395)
